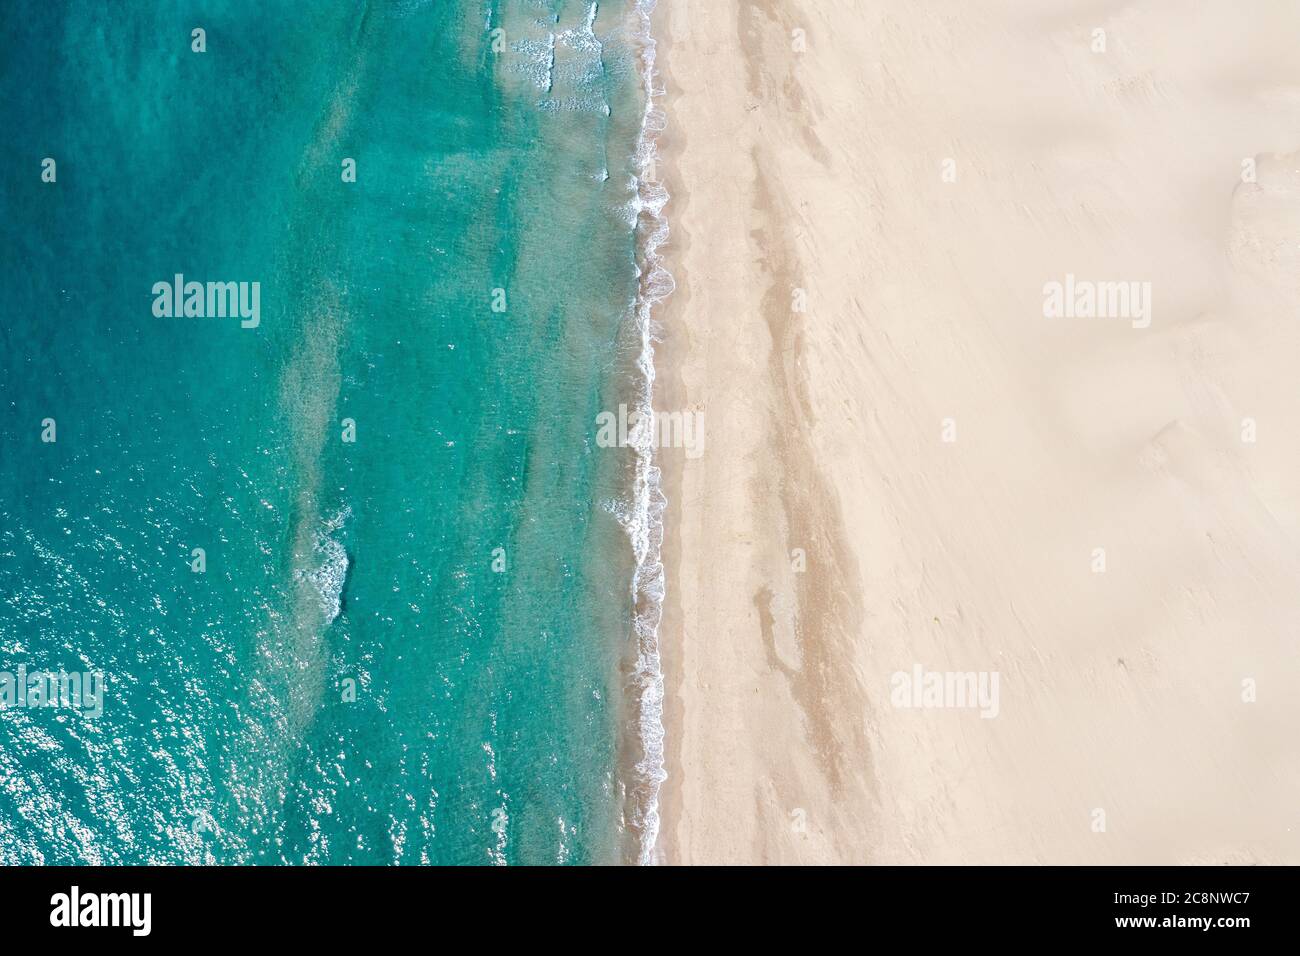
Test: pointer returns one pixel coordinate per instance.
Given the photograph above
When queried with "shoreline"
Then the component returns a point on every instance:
(646, 528)
(668, 358)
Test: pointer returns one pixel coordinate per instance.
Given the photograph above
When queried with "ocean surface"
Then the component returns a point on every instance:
(421, 626)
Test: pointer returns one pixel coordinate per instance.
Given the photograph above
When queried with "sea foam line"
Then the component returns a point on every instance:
(645, 527)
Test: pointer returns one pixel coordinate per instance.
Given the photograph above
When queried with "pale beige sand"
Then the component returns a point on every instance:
(1120, 691)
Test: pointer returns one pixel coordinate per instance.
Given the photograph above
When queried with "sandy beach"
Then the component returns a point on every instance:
(991, 310)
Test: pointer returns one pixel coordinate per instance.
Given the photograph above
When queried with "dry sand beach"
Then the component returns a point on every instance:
(910, 465)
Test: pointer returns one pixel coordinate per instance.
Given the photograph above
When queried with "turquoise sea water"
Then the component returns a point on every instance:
(417, 646)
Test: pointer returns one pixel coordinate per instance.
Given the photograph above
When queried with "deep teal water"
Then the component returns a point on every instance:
(490, 706)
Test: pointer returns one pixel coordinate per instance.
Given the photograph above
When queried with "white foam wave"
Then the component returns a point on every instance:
(330, 575)
(566, 66)
(644, 521)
